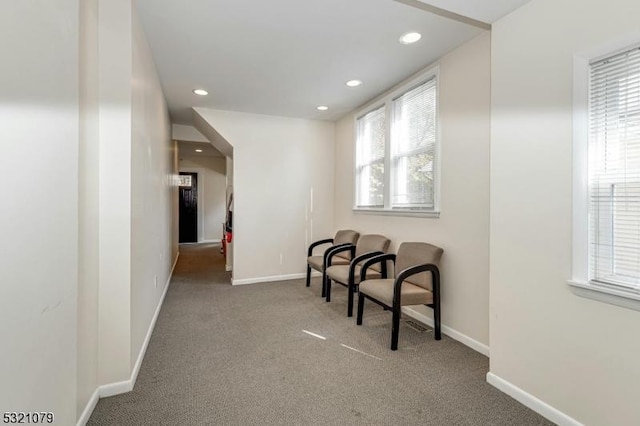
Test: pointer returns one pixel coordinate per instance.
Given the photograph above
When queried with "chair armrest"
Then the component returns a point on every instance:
(328, 255)
(413, 270)
(317, 243)
(354, 262)
(381, 258)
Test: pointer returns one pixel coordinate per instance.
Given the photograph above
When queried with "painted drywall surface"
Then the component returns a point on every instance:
(151, 191)
(283, 189)
(211, 193)
(213, 136)
(115, 57)
(578, 355)
(39, 209)
(462, 229)
(88, 209)
(181, 132)
(175, 209)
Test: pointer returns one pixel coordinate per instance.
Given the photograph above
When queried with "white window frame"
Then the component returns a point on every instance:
(387, 101)
(579, 282)
(359, 167)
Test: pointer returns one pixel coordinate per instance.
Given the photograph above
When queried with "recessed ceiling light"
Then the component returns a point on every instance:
(354, 83)
(409, 38)
(200, 92)
(198, 150)
(322, 108)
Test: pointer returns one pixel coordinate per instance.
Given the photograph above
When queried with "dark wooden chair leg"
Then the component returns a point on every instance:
(436, 303)
(360, 308)
(328, 290)
(350, 300)
(395, 328)
(308, 275)
(324, 284)
(436, 319)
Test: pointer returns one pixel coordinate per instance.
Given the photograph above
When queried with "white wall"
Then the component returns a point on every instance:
(283, 190)
(577, 355)
(175, 203)
(181, 132)
(115, 63)
(89, 184)
(39, 207)
(152, 249)
(462, 229)
(211, 193)
(79, 107)
(127, 218)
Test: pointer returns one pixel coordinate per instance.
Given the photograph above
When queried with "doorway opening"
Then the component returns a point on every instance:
(188, 210)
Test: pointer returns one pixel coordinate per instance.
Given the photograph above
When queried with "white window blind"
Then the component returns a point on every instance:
(614, 170)
(370, 156)
(413, 146)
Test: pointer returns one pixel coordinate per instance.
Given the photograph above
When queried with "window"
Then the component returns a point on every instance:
(370, 157)
(396, 152)
(413, 142)
(606, 167)
(184, 181)
(614, 170)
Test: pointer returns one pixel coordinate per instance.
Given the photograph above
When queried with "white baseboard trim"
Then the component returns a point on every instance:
(454, 334)
(112, 389)
(530, 401)
(125, 386)
(211, 241)
(273, 278)
(143, 350)
(91, 405)
(268, 279)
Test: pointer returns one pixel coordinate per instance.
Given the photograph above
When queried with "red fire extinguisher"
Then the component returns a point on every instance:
(229, 221)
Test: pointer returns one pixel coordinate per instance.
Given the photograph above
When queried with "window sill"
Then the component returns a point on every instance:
(624, 298)
(396, 212)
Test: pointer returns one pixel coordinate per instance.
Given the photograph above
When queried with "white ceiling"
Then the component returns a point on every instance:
(285, 57)
(483, 10)
(188, 149)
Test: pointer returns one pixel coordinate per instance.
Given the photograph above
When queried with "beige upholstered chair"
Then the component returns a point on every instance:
(349, 275)
(342, 238)
(416, 282)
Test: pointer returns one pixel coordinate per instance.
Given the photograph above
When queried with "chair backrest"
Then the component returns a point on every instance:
(345, 236)
(372, 242)
(413, 254)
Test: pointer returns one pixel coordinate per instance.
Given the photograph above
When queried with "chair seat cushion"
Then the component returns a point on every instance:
(340, 273)
(382, 291)
(316, 262)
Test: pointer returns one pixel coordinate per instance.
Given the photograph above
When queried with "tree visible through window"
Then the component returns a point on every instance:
(396, 152)
(370, 159)
(413, 143)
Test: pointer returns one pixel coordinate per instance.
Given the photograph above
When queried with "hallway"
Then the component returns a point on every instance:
(225, 355)
(201, 263)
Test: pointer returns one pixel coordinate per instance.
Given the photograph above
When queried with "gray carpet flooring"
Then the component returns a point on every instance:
(239, 355)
